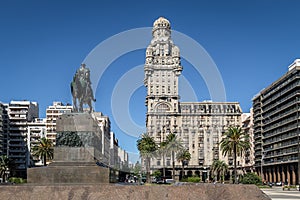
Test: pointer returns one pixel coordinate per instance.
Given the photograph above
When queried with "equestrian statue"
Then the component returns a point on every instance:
(82, 90)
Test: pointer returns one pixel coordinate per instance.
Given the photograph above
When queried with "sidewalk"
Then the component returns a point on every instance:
(276, 193)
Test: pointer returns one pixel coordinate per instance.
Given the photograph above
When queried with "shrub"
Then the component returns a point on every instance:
(194, 179)
(156, 174)
(251, 178)
(17, 180)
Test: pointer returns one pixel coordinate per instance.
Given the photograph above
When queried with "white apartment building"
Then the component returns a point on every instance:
(20, 113)
(122, 159)
(113, 156)
(248, 159)
(104, 123)
(52, 112)
(36, 131)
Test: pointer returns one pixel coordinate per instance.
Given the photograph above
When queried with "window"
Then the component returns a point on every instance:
(163, 108)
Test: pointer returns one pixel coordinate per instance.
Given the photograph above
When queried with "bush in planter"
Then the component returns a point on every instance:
(194, 179)
(251, 178)
(17, 180)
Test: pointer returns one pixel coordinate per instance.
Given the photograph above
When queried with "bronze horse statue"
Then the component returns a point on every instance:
(81, 90)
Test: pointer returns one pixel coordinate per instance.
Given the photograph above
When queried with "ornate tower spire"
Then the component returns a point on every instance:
(162, 69)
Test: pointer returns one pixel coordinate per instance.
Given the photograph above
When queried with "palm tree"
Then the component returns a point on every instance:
(4, 166)
(215, 167)
(234, 142)
(173, 145)
(219, 167)
(44, 150)
(147, 147)
(162, 152)
(183, 156)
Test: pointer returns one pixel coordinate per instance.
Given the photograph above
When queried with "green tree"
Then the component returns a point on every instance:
(156, 174)
(183, 156)
(251, 178)
(234, 142)
(137, 168)
(147, 147)
(219, 168)
(4, 166)
(44, 150)
(173, 146)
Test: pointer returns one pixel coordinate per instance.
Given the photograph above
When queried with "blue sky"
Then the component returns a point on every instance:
(42, 43)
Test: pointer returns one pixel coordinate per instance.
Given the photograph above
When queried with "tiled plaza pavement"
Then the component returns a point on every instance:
(276, 193)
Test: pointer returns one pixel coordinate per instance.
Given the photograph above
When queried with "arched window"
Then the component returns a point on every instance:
(163, 107)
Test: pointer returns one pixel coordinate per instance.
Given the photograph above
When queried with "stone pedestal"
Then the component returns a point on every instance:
(70, 165)
(74, 164)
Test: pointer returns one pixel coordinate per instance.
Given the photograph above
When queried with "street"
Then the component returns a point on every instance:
(276, 193)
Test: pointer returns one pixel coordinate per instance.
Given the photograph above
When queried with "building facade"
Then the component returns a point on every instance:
(199, 125)
(104, 124)
(113, 155)
(20, 113)
(52, 113)
(2, 132)
(248, 158)
(36, 130)
(276, 128)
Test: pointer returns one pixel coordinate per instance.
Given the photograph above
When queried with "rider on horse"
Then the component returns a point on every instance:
(81, 89)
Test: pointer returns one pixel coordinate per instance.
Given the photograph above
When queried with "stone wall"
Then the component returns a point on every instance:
(119, 192)
(68, 174)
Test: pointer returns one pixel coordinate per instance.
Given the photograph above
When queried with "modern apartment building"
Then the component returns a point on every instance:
(36, 130)
(52, 113)
(123, 160)
(248, 158)
(104, 123)
(113, 155)
(20, 113)
(198, 124)
(2, 133)
(276, 128)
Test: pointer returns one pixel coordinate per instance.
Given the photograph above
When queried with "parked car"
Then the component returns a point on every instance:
(270, 184)
(279, 183)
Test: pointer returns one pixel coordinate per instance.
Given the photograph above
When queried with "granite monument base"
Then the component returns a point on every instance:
(70, 165)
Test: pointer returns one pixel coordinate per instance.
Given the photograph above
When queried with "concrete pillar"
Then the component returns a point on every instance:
(267, 175)
(288, 176)
(294, 175)
(283, 174)
(274, 174)
(278, 174)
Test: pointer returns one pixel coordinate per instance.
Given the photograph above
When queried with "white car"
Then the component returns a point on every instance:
(278, 183)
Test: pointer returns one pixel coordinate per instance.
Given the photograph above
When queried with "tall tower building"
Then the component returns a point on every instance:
(199, 125)
(162, 70)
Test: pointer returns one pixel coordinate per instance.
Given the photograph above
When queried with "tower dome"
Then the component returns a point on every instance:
(161, 23)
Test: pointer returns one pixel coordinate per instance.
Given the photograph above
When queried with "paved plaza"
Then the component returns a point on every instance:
(276, 193)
